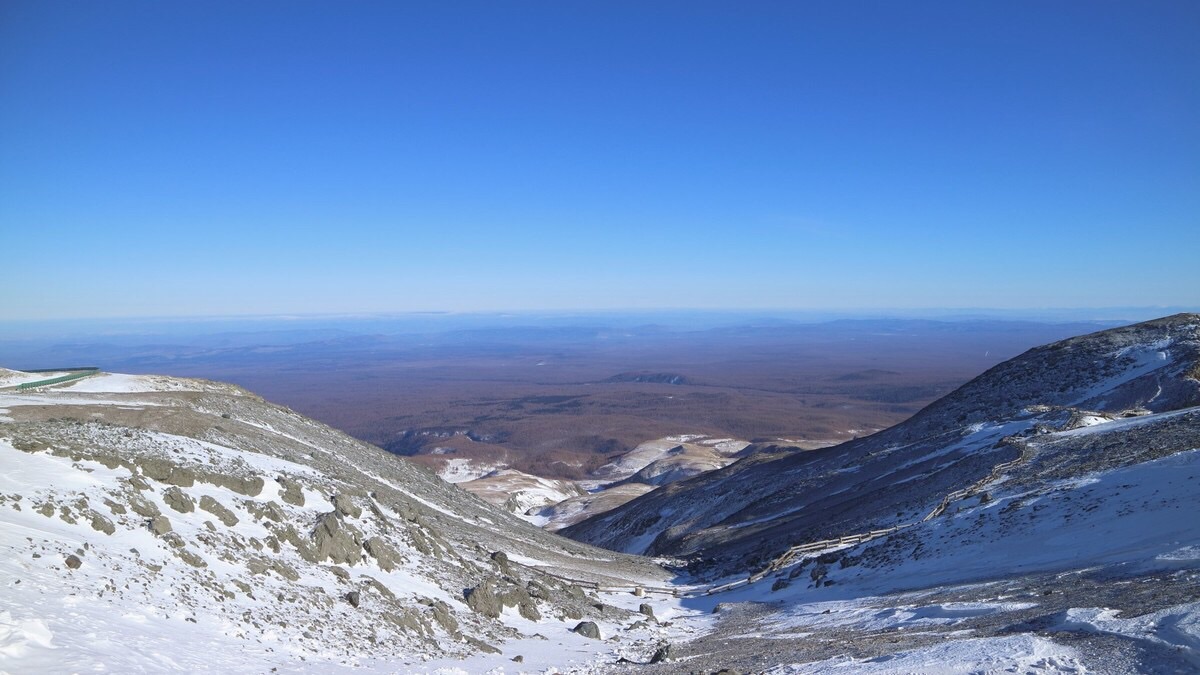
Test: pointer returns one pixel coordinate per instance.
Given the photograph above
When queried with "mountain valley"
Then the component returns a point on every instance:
(1040, 517)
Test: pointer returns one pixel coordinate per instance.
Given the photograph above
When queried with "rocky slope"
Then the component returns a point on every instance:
(150, 522)
(744, 515)
(1040, 520)
(1080, 556)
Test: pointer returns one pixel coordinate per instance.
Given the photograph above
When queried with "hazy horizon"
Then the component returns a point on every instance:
(664, 315)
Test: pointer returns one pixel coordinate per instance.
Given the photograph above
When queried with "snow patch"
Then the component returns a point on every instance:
(1013, 654)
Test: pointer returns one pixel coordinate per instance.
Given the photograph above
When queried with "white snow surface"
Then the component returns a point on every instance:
(649, 452)
(461, 470)
(575, 509)
(11, 378)
(979, 656)
(118, 613)
(1177, 626)
(521, 493)
(135, 604)
(116, 610)
(1130, 515)
(116, 383)
(1146, 359)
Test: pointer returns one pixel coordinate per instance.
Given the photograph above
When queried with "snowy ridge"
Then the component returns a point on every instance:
(461, 470)
(1039, 519)
(191, 525)
(708, 453)
(753, 510)
(520, 493)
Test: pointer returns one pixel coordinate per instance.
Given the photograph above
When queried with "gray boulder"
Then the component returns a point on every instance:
(143, 507)
(588, 629)
(664, 653)
(160, 525)
(385, 556)
(336, 540)
(483, 600)
(217, 509)
(489, 599)
(344, 505)
(501, 560)
(251, 487)
(291, 492)
(102, 524)
(178, 500)
(165, 471)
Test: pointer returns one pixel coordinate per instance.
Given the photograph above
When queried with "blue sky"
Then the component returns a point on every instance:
(202, 158)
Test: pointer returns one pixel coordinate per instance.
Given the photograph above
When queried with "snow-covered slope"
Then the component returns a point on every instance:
(1040, 519)
(11, 378)
(577, 509)
(744, 515)
(152, 523)
(679, 463)
(1050, 567)
(520, 493)
(1048, 538)
(462, 470)
(708, 451)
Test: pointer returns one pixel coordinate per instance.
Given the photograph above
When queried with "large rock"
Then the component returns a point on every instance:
(374, 584)
(290, 492)
(337, 541)
(483, 599)
(525, 604)
(251, 487)
(664, 653)
(501, 560)
(143, 507)
(480, 645)
(265, 510)
(385, 556)
(177, 499)
(190, 557)
(217, 509)
(102, 524)
(166, 471)
(444, 617)
(588, 629)
(344, 505)
(160, 525)
(490, 598)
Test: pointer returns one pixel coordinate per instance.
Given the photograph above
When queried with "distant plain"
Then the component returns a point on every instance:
(560, 400)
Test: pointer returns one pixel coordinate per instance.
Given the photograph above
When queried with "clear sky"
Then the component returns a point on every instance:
(198, 158)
